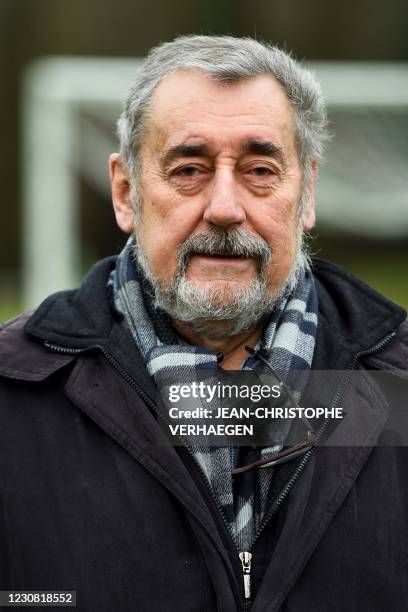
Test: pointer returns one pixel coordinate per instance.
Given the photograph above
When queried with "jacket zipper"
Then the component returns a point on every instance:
(244, 556)
(246, 559)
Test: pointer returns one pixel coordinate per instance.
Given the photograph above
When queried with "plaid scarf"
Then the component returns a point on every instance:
(288, 344)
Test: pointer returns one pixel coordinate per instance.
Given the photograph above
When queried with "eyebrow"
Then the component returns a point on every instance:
(258, 147)
(265, 148)
(184, 150)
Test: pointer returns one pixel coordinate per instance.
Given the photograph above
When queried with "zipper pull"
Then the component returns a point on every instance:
(246, 558)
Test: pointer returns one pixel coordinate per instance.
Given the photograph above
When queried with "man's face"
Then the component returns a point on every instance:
(218, 158)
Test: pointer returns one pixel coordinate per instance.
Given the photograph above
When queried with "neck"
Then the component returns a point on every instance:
(231, 347)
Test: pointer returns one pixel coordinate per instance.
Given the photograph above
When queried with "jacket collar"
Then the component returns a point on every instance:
(353, 317)
(77, 318)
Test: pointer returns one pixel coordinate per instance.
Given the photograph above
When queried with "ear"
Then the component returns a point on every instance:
(120, 186)
(309, 212)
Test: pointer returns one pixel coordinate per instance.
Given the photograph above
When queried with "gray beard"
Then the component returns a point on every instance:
(219, 312)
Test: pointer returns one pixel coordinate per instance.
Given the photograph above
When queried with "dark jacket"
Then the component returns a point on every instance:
(93, 498)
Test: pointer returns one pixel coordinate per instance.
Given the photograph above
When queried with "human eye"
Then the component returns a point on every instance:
(260, 174)
(261, 171)
(187, 171)
(189, 177)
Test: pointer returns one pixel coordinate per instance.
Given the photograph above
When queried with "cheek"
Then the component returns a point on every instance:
(279, 227)
(277, 223)
(165, 225)
(284, 250)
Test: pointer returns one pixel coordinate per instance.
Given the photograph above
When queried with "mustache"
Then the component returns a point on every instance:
(225, 243)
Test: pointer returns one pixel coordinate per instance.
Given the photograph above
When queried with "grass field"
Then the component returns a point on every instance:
(10, 305)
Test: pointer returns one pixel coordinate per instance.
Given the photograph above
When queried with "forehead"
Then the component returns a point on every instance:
(188, 106)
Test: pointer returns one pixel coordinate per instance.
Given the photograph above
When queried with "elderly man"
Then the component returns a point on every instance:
(220, 143)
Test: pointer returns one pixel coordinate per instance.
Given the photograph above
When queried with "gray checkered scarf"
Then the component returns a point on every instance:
(288, 344)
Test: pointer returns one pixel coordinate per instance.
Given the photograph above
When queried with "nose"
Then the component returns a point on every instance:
(224, 207)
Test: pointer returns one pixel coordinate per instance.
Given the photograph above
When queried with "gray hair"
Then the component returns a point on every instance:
(227, 59)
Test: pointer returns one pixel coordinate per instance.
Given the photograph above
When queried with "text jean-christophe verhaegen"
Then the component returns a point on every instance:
(195, 409)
